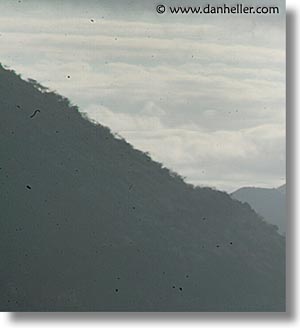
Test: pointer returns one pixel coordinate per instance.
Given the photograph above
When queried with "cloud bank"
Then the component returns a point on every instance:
(204, 100)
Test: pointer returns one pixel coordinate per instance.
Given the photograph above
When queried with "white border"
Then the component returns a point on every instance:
(165, 320)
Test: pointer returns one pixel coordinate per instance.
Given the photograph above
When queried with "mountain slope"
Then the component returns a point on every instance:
(88, 223)
(269, 203)
(282, 189)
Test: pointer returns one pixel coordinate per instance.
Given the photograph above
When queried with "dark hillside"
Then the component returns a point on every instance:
(267, 202)
(90, 224)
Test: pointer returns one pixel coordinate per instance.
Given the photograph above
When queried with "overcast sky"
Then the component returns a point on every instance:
(205, 95)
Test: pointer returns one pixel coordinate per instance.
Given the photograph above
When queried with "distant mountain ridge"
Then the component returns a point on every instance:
(88, 223)
(282, 189)
(268, 202)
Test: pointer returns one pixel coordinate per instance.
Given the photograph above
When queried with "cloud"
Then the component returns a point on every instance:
(205, 158)
(203, 99)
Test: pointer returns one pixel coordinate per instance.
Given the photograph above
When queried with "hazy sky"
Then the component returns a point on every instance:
(205, 95)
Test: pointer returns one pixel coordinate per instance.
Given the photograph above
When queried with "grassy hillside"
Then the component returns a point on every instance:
(88, 223)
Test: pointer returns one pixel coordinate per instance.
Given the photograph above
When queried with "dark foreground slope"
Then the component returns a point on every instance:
(269, 203)
(88, 223)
